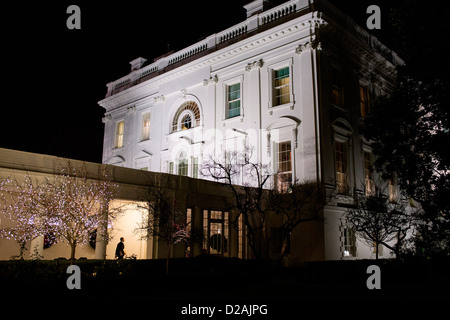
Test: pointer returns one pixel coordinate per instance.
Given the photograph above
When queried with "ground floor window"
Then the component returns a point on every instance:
(349, 242)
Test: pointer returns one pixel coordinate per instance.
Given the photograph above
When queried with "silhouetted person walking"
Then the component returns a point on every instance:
(120, 252)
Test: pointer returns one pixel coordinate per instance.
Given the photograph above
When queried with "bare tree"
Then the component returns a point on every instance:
(377, 220)
(163, 219)
(249, 197)
(304, 202)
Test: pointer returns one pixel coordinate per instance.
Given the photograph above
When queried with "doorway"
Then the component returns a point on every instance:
(216, 233)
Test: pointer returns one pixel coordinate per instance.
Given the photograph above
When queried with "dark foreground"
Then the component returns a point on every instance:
(235, 287)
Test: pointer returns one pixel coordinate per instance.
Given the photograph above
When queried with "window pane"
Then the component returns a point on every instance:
(283, 178)
(234, 109)
(145, 126)
(281, 86)
(119, 134)
(234, 101)
(234, 92)
(364, 101)
(341, 165)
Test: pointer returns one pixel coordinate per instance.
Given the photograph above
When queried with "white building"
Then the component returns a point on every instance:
(293, 81)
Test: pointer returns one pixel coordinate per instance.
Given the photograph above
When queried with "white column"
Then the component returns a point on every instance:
(37, 247)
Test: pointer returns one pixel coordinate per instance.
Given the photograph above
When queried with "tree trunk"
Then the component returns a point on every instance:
(376, 250)
(22, 249)
(73, 246)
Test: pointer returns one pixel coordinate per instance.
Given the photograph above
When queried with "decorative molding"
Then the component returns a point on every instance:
(160, 98)
(131, 109)
(310, 45)
(254, 65)
(211, 80)
(106, 118)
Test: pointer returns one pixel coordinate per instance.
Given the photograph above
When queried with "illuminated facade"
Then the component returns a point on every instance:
(293, 81)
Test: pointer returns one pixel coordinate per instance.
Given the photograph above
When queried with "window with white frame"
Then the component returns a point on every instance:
(233, 105)
(120, 129)
(145, 134)
(281, 86)
(349, 242)
(283, 176)
(343, 156)
(392, 189)
(368, 175)
(183, 164)
(341, 166)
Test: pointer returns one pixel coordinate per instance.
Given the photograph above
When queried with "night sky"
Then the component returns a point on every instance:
(53, 77)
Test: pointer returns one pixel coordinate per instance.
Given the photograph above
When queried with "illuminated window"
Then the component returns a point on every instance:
(186, 122)
(233, 100)
(145, 126)
(349, 242)
(364, 101)
(120, 127)
(281, 86)
(283, 177)
(186, 117)
(341, 167)
(392, 185)
(368, 175)
(241, 238)
(188, 229)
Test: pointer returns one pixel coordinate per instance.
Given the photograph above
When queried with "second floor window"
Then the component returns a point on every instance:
(186, 117)
(368, 175)
(233, 101)
(120, 128)
(364, 101)
(145, 126)
(281, 86)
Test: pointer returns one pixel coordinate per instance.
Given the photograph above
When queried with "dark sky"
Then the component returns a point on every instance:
(53, 77)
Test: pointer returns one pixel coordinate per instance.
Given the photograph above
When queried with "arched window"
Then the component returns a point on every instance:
(186, 117)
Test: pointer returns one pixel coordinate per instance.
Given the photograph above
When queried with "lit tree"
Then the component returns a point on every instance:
(77, 205)
(22, 204)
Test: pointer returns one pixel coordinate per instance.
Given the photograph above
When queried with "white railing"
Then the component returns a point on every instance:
(250, 24)
(208, 43)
